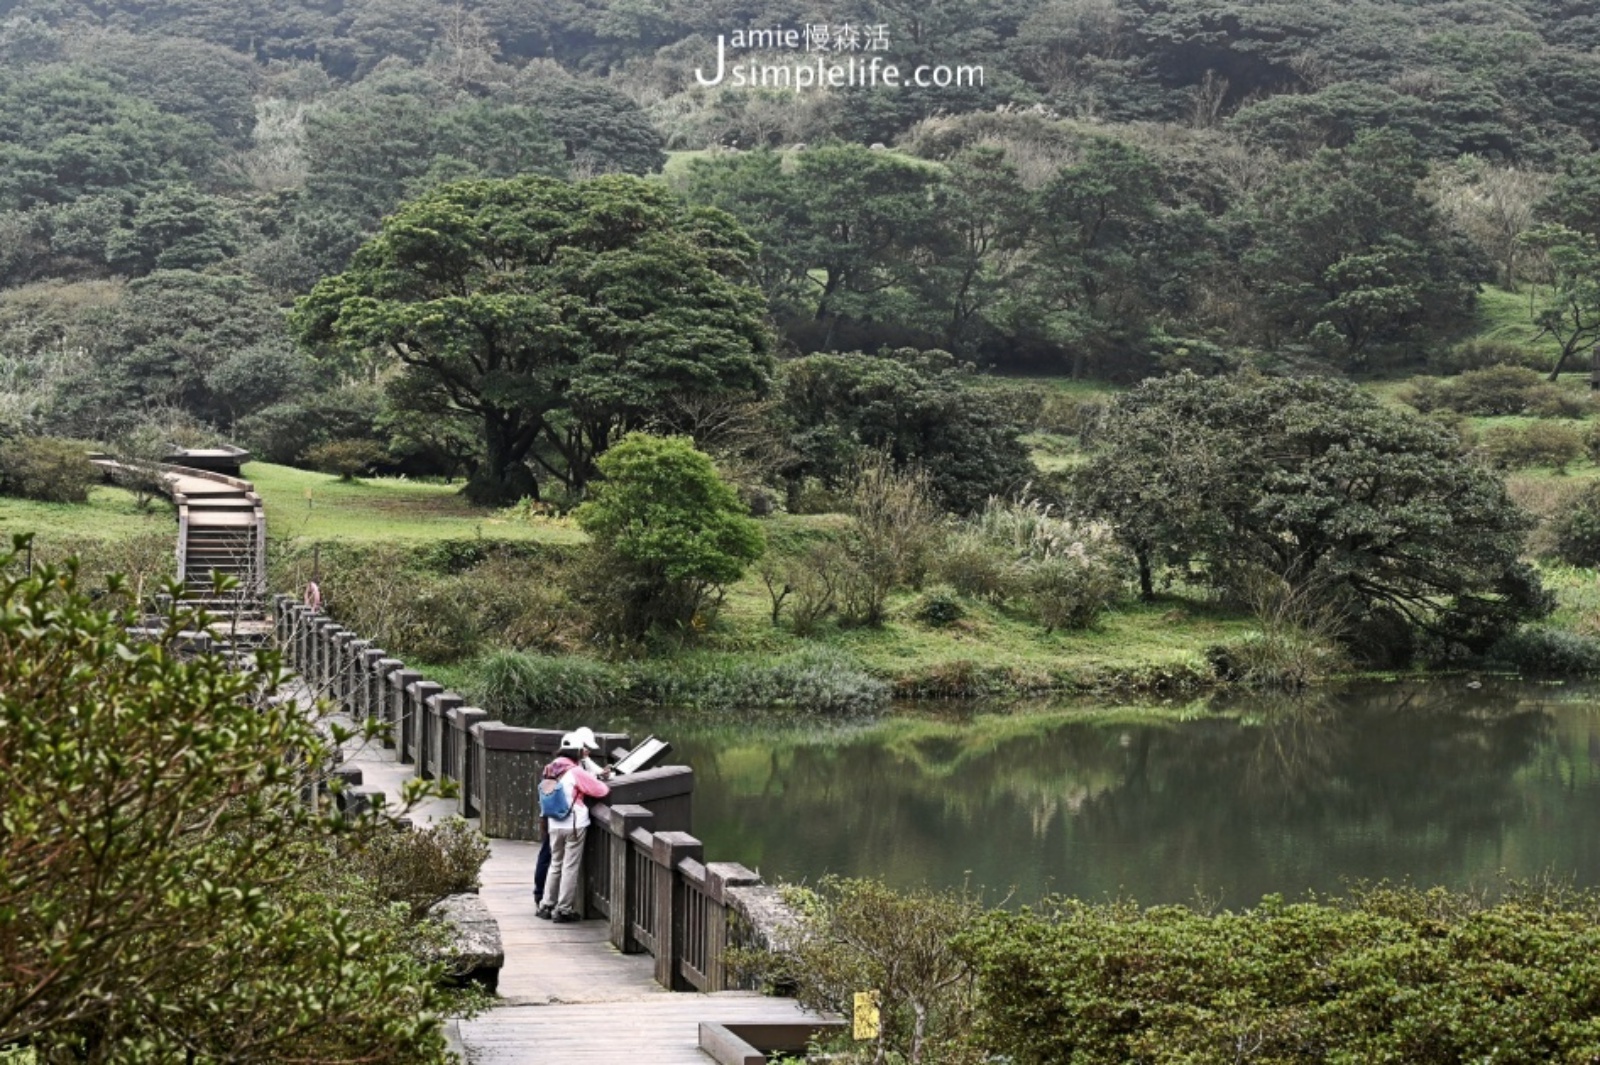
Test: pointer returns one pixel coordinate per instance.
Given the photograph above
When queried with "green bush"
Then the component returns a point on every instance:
(857, 934)
(976, 567)
(1490, 391)
(1576, 529)
(1494, 390)
(1394, 974)
(1550, 401)
(814, 680)
(1542, 651)
(523, 689)
(1067, 573)
(1285, 658)
(1073, 590)
(938, 608)
(46, 469)
(1516, 447)
(420, 866)
(1483, 354)
(348, 459)
(668, 535)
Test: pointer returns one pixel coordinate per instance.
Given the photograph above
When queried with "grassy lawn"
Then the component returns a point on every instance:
(317, 506)
(677, 165)
(110, 514)
(992, 645)
(1504, 318)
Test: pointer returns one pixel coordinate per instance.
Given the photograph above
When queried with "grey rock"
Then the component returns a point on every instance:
(475, 951)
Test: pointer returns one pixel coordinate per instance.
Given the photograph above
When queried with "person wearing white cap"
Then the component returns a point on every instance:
(585, 736)
(569, 786)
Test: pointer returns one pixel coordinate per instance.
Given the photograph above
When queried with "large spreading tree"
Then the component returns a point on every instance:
(555, 315)
(1320, 484)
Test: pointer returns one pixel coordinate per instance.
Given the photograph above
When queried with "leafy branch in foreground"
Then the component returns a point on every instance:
(164, 893)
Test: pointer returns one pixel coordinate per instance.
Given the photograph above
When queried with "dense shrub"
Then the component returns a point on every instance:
(976, 566)
(46, 469)
(524, 689)
(146, 562)
(893, 535)
(938, 608)
(420, 866)
(1576, 528)
(855, 934)
(1483, 354)
(1542, 651)
(1072, 590)
(815, 680)
(1495, 390)
(348, 459)
(1549, 401)
(669, 534)
(1300, 637)
(1391, 975)
(1535, 444)
(1288, 659)
(397, 597)
(1067, 574)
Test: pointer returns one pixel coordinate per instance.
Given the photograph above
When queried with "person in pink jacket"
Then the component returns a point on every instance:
(567, 833)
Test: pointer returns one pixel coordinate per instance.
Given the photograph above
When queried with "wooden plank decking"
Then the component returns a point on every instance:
(567, 994)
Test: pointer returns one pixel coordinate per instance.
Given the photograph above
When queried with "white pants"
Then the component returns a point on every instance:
(565, 879)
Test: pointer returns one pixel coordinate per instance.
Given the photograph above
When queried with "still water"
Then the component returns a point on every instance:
(1436, 783)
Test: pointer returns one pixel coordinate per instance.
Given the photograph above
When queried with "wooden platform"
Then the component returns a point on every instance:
(568, 995)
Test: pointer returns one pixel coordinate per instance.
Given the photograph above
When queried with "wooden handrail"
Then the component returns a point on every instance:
(654, 887)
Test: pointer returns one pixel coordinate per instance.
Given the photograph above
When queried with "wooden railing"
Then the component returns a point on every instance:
(643, 872)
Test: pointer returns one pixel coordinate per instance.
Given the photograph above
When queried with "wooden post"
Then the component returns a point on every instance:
(719, 877)
(381, 699)
(400, 711)
(435, 738)
(417, 696)
(344, 659)
(366, 705)
(669, 849)
(624, 819)
(460, 721)
(509, 762)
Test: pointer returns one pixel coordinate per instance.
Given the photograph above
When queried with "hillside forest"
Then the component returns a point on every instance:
(226, 223)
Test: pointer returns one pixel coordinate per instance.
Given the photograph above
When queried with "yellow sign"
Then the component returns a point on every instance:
(866, 1026)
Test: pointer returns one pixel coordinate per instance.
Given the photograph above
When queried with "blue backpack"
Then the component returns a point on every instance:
(553, 801)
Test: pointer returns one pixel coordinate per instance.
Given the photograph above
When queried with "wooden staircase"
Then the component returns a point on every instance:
(222, 529)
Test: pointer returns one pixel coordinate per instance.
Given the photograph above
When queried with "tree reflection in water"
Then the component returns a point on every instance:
(1233, 799)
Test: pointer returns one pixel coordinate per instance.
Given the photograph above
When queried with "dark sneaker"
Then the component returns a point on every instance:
(543, 913)
(565, 918)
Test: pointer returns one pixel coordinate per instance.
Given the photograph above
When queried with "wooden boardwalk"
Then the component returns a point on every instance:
(567, 995)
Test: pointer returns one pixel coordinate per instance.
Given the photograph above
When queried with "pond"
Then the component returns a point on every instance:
(1436, 782)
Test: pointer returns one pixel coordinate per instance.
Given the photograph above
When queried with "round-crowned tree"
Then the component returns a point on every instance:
(669, 534)
(1316, 482)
